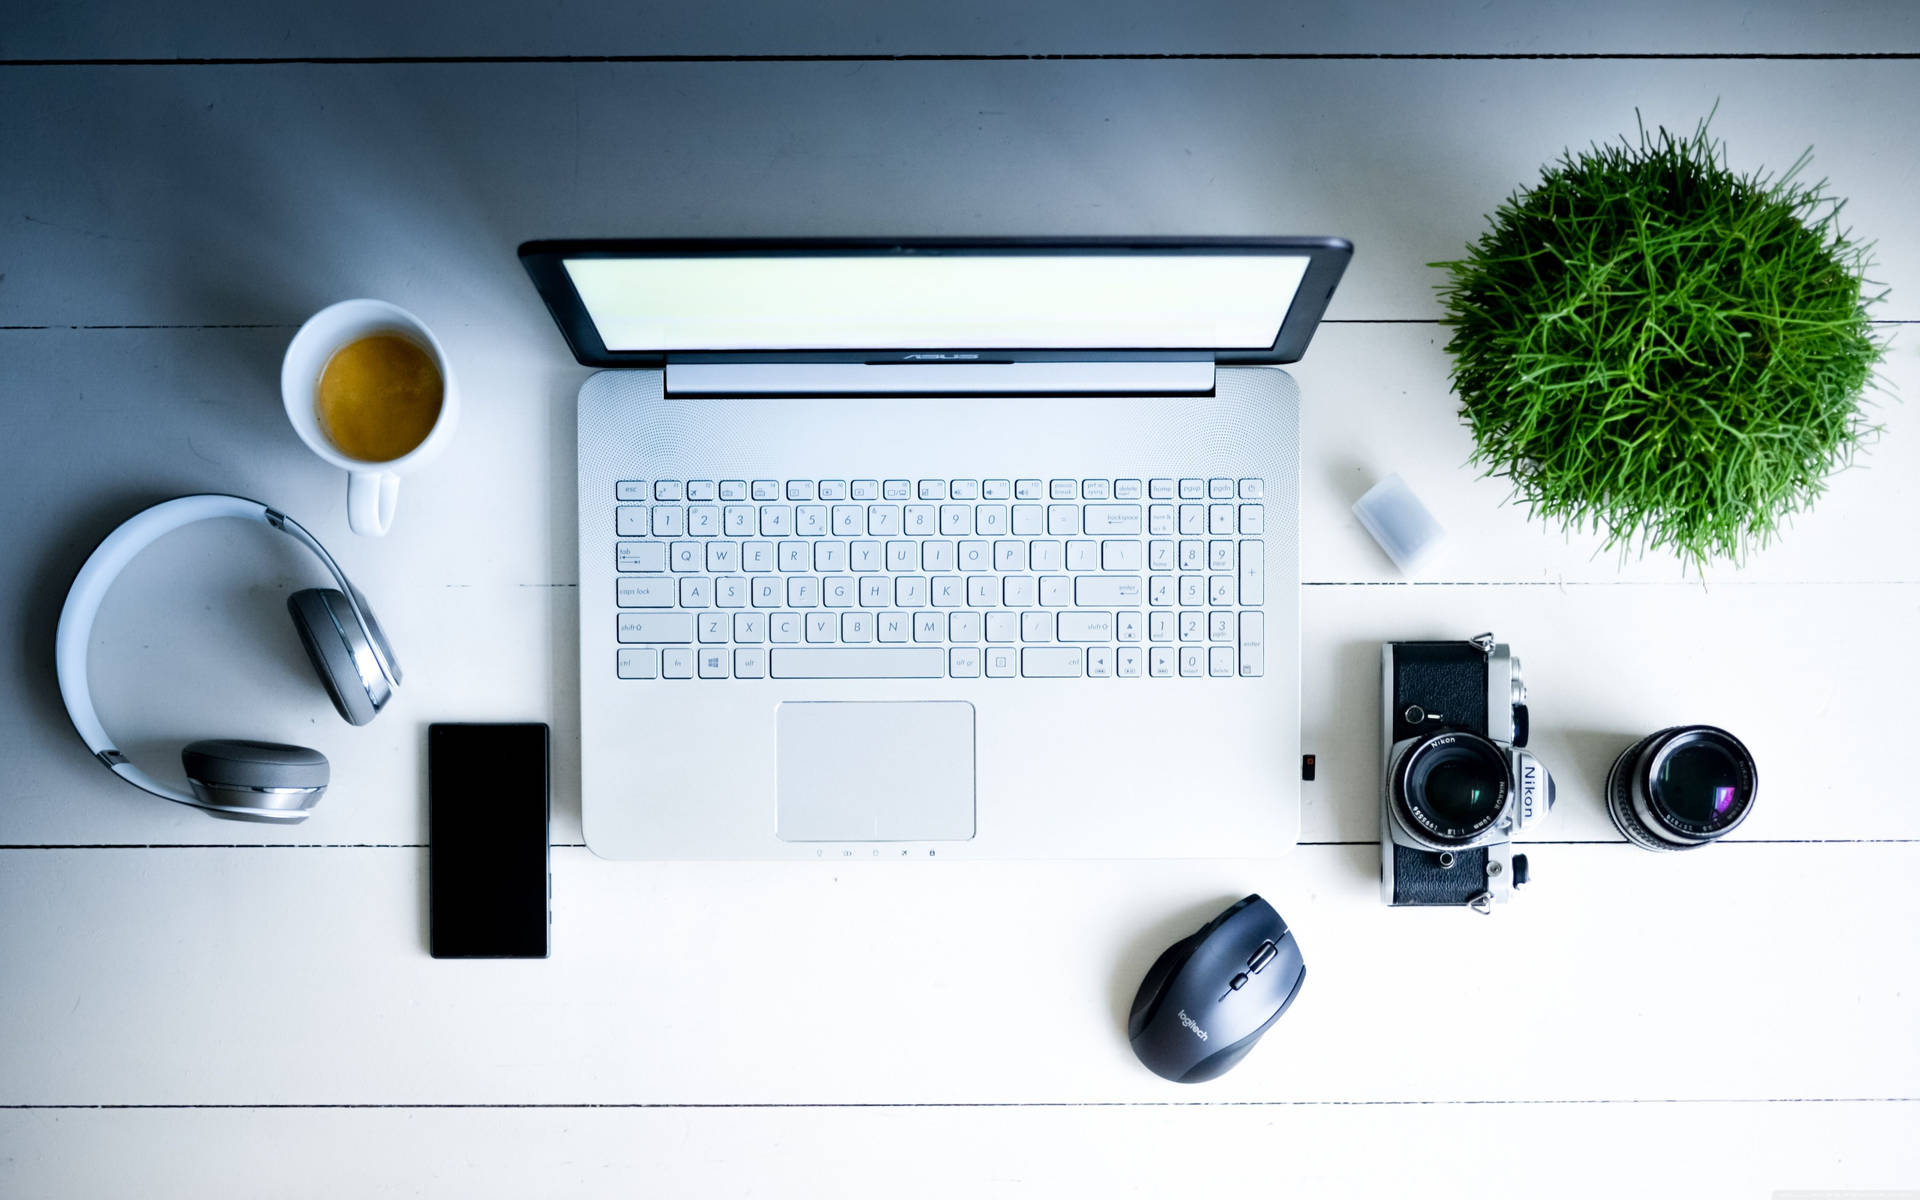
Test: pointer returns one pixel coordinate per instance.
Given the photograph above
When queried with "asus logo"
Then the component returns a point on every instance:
(935, 357)
(1190, 1023)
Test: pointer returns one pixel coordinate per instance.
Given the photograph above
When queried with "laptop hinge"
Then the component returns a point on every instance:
(1160, 376)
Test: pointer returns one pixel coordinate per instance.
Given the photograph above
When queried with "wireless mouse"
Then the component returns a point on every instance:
(1209, 997)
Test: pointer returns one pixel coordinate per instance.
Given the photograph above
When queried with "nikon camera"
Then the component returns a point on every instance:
(1458, 784)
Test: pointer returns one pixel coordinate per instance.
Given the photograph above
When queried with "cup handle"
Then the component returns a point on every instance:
(371, 496)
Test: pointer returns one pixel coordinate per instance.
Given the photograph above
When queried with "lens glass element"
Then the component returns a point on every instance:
(1702, 784)
(1453, 786)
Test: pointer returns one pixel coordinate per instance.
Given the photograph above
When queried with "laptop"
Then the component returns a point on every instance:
(934, 549)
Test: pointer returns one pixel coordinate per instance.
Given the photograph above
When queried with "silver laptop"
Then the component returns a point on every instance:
(937, 549)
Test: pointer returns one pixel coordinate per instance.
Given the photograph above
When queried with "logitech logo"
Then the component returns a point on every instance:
(936, 357)
(1192, 1024)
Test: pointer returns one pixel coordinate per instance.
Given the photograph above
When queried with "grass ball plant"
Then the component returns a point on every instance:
(1652, 346)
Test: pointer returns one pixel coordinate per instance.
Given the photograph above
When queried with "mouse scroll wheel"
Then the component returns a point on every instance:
(1262, 957)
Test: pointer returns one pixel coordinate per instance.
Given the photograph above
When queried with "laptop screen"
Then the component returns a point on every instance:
(1090, 301)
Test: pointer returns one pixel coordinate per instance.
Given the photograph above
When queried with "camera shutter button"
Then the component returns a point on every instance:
(1520, 724)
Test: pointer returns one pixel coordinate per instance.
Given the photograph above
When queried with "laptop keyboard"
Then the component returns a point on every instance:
(1104, 578)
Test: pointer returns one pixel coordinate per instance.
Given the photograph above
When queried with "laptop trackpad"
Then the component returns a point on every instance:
(876, 772)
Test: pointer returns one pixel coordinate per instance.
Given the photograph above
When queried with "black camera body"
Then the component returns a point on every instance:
(1457, 783)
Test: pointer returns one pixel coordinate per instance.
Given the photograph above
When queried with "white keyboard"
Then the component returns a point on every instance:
(1105, 578)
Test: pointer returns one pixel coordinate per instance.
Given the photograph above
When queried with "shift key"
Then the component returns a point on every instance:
(656, 628)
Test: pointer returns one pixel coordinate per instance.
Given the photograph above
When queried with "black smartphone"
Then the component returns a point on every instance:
(487, 841)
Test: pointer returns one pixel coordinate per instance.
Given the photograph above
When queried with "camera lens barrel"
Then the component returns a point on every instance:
(1450, 788)
(1681, 787)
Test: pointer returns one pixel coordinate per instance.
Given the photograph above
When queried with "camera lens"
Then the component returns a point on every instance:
(1682, 787)
(1451, 787)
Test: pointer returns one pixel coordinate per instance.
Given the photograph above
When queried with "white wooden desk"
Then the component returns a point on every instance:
(201, 1009)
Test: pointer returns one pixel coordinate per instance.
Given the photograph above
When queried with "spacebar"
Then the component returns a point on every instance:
(906, 662)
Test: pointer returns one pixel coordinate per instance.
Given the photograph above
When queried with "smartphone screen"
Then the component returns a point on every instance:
(487, 840)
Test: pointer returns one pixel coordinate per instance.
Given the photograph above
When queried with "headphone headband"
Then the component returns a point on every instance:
(75, 631)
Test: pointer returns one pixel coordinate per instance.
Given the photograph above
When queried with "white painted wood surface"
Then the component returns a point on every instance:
(869, 1029)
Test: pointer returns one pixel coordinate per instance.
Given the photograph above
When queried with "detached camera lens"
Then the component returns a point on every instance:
(1682, 787)
(1451, 787)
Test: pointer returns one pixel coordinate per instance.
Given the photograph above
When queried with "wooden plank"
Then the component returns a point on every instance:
(256, 194)
(439, 27)
(298, 976)
(1339, 1151)
(475, 586)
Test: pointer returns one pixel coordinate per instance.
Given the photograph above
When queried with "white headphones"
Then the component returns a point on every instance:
(234, 779)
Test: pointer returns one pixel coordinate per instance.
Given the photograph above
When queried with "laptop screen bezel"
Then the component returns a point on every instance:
(545, 263)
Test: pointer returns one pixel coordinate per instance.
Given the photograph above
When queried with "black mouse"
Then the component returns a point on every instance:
(1207, 1000)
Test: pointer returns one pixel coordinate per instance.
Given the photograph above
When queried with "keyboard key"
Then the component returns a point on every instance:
(1253, 644)
(1192, 489)
(713, 664)
(975, 555)
(1029, 520)
(956, 520)
(1250, 489)
(641, 556)
(776, 520)
(839, 591)
(1053, 662)
(1027, 489)
(990, 520)
(1220, 590)
(1063, 520)
(749, 663)
(822, 627)
(1160, 520)
(949, 591)
(1128, 626)
(646, 593)
(1044, 556)
(928, 627)
(723, 557)
(1062, 489)
(1010, 555)
(963, 627)
(756, 556)
(803, 592)
(1220, 555)
(785, 627)
(1193, 520)
(1107, 591)
(1056, 591)
(764, 489)
(799, 489)
(833, 489)
(1083, 555)
(932, 489)
(810, 520)
(1160, 555)
(859, 662)
(964, 489)
(849, 520)
(1019, 591)
(1160, 662)
(910, 591)
(1119, 556)
(740, 520)
(896, 489)
(629, 521)
(1220, 627)
(703, 520)
(1193, 662)
(1036, 627)
(1220, 661)
(1160, 489)
(730, 591)
(1193, 626)
(865, 489)
(1160, 590)
(1003, 626)
(668, 489)
(630, 489)
(883, 520)
(713, 627)
(749, 627)
(856, 627)
(1160, 626)
(700, 489)
(996, 489)
(921, 520)
(1126, 662)
(733, 489)
(642, 663)
(983, 591)
(795, 556)
(1253, 519)
(1193, 590)
(1001, 664)
(893, 627)
(903, 556)
(1127, 489)
(865, 556)
(1099, 662)
(676, 664)
(1253, 573)
(964, 662)
(687, 557)
(829, 554)
(936, 556)
(1220, 518)
(1096, 489)
(1085, 626)
(876, 591)
(696, 592)
(656, 627)
(1112, 519)
(767, 592)
(669, 522)
(1220, 489)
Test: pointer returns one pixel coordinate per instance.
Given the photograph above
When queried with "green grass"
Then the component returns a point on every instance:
(1651, 346)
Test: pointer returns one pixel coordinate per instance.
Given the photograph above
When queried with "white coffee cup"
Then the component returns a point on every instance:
(372, 487)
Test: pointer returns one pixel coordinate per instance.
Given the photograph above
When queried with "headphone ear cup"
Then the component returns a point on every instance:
(339, 652)
(255, 781)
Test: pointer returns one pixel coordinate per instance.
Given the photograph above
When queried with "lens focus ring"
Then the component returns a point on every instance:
(1450, 788)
